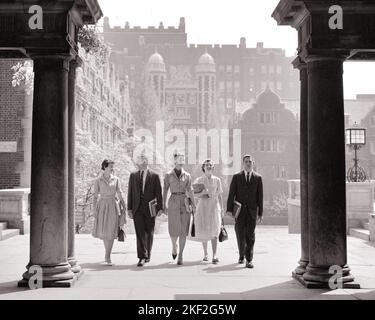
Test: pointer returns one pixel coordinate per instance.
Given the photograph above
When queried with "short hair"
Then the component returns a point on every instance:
(106, 163)
(205, 162)
(177, 154)
(247, 156)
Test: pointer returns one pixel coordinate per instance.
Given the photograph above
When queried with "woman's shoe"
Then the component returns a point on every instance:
(109, 263)
(180, 261)
(205, 259)
(174, 256)
(215, 261)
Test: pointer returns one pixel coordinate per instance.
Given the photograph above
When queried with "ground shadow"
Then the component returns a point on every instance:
(223, 268)
(10, 287)
(98, 266)
(289, 290)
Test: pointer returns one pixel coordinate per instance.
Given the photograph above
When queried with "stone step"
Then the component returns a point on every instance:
(360, 233)
(8, 233)
(367, 226)
(3, 225)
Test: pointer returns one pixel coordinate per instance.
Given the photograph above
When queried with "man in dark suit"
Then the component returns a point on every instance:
(246, 188)
(144, 186)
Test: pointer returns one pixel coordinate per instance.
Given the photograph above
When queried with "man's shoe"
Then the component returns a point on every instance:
(241, 260)
(249, 265)
(147, 260)
(141, 262)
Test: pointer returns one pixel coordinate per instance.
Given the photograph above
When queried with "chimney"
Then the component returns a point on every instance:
(260, 45)
(243, 42)
(182, 24)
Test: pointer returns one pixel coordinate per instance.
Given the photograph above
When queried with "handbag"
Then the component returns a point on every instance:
(121, 235)
(223, 236)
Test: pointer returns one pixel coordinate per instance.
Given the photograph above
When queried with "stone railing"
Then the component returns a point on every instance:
(359, 206)
(294, 206)
(14, 209)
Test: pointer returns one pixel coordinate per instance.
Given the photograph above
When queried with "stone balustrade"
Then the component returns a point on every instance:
(14, 209)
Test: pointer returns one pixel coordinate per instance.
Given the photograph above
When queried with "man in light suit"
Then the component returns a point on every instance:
(144, 186)
(246, 188)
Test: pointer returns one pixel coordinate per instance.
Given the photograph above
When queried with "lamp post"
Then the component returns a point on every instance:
(356, 139)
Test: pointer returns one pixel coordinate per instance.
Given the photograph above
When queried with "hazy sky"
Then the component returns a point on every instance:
(225, 22)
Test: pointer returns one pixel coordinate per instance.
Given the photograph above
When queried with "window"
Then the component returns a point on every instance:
(236, 69)
(229, 68)
(222, 85)
(221, 68)
(279, 86)
(264, 85)
(264, 69)
(229, 86)
(252, 71)
(271, 69)
(268, 117)
(237, 85)
(278, 69)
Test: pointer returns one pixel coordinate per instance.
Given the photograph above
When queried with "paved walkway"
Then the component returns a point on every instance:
(276, 255)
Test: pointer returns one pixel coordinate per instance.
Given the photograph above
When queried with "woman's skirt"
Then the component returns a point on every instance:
(107, 219)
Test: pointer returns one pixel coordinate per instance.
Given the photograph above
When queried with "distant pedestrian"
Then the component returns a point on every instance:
(144, 189)
(108, 215)
(208, 217)
(178, 181)
(246, 189)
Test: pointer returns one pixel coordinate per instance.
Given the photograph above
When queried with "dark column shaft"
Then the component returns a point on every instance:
(326, 169)
(71, 167)
(49, 172)
(301, 269)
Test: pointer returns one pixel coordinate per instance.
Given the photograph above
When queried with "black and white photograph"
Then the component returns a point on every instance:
(196, 152)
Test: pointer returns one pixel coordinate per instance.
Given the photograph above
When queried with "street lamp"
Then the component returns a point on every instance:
(356, 139)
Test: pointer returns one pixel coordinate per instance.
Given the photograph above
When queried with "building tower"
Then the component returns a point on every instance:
(206, 76)
(156, 76)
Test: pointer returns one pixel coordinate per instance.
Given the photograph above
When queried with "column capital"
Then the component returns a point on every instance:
(299, 63)
(53, 59)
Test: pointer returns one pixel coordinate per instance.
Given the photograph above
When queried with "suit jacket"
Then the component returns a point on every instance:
(152, 190)
(250, 195)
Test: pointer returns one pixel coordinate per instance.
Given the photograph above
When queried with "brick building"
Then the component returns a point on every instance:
(15, 130)
(270, 132)
(102, 108)
(240, 73)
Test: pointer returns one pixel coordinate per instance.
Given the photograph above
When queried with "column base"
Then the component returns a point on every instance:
(301, 269)
(74, 266)
(54, 284)
(319, 278)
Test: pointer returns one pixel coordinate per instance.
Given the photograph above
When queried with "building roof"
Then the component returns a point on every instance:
(268, 98)
(206, 63)
(156, 63)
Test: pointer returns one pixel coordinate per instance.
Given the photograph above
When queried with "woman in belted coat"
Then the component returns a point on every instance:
(178, 181)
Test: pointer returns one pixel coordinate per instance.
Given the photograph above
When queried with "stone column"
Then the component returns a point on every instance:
(301, 269)
(49, 173)
(71, 166)
(326, 171)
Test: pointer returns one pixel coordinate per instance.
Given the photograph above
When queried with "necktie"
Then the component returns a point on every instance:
(142, 172)
(248, 177)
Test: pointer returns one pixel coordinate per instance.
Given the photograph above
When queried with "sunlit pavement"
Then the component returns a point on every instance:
(276, 255)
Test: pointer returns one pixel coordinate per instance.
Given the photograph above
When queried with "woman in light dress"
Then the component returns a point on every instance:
(108, 217)
(209, 214)
(178, 181)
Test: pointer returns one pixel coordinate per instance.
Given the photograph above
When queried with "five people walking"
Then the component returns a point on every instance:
(202, 199)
